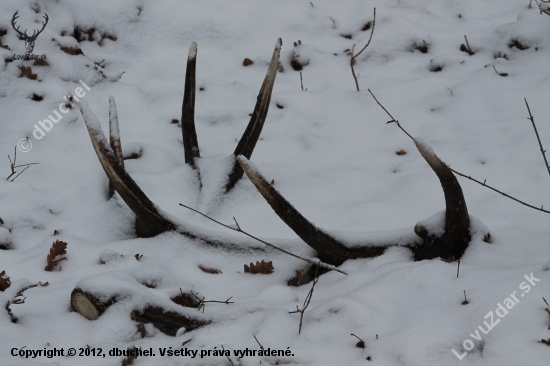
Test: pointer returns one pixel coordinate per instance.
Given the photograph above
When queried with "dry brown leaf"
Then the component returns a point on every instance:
(4, 281)
(209, 270)
(27, 73)
(57, 252)
(247, 62)
(260, 267)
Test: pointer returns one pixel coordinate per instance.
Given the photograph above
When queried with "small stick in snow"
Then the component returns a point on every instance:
(504, 74)
(238, 229)
(547, 306)
(302, 82)
(458, 268)
(353, 57)
(228, 357)
(13, 166)
(306, 301)
(257, 341)
(457, 172)
(467, 48)
(532, 119)
(465, 302)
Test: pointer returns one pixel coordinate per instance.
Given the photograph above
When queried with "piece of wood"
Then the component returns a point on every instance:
(167, 321)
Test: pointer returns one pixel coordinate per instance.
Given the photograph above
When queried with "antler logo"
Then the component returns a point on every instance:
(29, 40)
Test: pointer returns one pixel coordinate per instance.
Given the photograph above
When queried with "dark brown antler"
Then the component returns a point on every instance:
(150, 221)
(114, 138)
(254, 129)
(190, 142)
(451, 245)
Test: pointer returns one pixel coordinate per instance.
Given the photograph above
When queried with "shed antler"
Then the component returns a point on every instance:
(330, 249)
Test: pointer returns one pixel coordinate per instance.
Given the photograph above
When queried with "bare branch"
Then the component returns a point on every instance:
(190, 141)
(306, 301)
(543, 152)
(13, 166)
(393, 120)
(238, 229)
(253, 130)
(353, 57)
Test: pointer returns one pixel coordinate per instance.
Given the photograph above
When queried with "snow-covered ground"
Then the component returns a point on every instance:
(328, 150)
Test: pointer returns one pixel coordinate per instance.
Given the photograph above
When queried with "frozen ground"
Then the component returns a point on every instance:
(329, 151)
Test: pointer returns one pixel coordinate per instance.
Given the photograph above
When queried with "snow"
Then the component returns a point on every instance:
(328, 151)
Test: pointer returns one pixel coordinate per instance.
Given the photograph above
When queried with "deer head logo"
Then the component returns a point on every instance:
(29, 40)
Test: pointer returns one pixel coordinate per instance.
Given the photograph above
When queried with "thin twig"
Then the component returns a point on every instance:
(532, 119)
(238, 229)
(228, 357)
(353, 57)
(458, 269)
(13, 166)
(468, 45)
(393, 120)
(500, 73)
(306, 301)
(464, 175)
(301, 81)
(203, 301)
(259, 344)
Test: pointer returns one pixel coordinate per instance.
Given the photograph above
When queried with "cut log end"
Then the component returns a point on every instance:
(87, 304)
(169, 322)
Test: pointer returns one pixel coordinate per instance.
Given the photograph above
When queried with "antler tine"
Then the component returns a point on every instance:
(254, 129)
(190, 141)
(452, 244)
(114, 138)
(150, 222)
